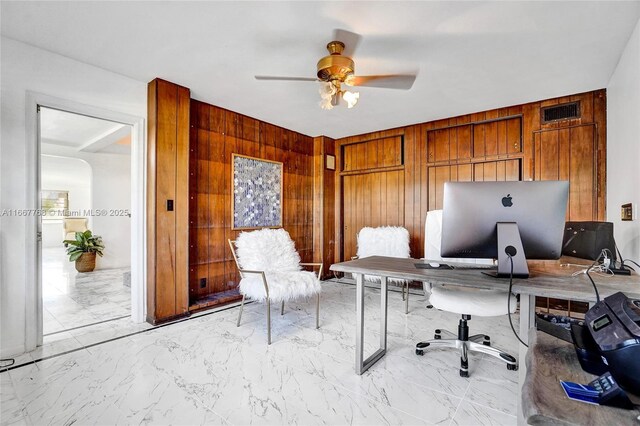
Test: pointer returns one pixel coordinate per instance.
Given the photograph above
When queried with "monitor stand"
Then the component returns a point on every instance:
(509, 242)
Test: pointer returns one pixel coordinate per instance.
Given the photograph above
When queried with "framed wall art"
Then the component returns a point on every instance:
(256, 186)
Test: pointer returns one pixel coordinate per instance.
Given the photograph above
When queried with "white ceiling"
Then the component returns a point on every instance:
(471, 56)
(83, 133)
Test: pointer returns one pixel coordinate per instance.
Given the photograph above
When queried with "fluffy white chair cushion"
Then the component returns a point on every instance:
(390, 241)
(471, 301)
(273, 251)
(267, 250)
(285, 286)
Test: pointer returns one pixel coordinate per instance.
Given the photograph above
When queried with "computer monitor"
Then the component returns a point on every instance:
(504, 219)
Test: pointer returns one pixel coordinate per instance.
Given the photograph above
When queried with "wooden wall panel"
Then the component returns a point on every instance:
(507, 143)
(373, 154)
(371, 199)
(324, 232)
(168, 181)
(216, 135)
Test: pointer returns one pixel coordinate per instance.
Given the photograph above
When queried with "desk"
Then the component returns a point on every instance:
(550, 360)
(547, 279)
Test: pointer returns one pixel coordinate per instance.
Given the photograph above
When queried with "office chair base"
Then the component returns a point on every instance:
(465, 344)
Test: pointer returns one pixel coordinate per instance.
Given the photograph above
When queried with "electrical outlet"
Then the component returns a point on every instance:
(203, 283)
(627, 212)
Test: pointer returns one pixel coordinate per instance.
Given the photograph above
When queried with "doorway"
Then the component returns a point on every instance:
(85, 200)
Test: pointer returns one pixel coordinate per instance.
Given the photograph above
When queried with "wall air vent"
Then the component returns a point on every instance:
(560, 112)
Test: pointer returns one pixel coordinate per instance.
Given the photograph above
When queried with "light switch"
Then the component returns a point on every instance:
(627, 212)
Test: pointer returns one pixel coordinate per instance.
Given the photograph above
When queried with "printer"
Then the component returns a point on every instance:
(609, 340)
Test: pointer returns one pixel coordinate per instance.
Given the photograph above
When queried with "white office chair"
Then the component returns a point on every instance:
(390, 241)
(467, 302)
(271, 271)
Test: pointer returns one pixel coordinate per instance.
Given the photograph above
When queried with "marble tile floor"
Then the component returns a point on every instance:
(71, 299)
(208, 371)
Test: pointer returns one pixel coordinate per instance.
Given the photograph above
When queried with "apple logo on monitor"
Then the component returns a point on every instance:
(506, 201)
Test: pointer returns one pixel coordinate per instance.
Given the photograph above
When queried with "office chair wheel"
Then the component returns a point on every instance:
(487, 340)
(429, 306)
(507, 357)
(419, 352)
(464, 373)
(512, 367)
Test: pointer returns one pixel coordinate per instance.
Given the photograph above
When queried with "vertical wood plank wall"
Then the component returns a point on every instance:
(215, 135)
(324, 243)
(167, 177)
(404, 169)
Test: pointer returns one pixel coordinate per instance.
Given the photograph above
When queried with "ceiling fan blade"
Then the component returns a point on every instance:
(350, 40)
(388, 81)
(274, 78)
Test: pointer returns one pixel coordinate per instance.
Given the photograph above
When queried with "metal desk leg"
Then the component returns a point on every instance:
(527, 321)
(362, 364)
(359, 322)
(383, 312)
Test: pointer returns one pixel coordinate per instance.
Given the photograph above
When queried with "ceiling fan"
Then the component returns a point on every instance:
(338, 68)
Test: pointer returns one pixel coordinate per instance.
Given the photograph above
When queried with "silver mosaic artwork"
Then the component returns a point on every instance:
(257, 187)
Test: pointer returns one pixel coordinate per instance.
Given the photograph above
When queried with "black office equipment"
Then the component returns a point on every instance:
(587, 350)
(614, 329)
(586, 240)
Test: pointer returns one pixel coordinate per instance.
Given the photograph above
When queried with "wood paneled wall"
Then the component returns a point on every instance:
(509, 143)
(215, 135)
(167, 181)
(324, 207)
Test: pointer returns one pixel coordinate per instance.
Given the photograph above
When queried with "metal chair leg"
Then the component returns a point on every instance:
(318, 312)
(268, 321)
(406, 300)
(240, 313)
(282, 309)
(403, 297)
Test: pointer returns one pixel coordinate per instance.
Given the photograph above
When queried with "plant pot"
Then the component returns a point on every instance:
(86, 262)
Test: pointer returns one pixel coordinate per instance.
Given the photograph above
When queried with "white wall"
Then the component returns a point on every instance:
(110, 190)
(623, 150)
(26, 68)
(64, 174)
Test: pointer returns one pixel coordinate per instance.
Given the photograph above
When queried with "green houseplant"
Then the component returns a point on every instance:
(83, 250)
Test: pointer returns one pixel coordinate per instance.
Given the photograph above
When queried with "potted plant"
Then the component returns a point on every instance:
(83, 250)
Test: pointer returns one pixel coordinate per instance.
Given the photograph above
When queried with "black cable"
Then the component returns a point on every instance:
(509, 303)
(635, 263)
(593, 284)
(595, 262)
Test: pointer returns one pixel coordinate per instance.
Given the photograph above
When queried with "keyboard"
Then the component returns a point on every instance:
(458, 267)
(482, 267)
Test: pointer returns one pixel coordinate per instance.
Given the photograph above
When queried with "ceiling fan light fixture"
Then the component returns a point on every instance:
(351, 98)
(327, 89)
(326, 103)
(350, 80)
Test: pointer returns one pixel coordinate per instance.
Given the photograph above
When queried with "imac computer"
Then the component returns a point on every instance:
(504, 220)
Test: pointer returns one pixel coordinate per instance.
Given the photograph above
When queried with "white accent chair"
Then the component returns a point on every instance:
(390, 241)
(467, 302)
(270, 271)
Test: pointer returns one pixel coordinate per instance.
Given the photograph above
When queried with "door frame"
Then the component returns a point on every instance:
(33, 290)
